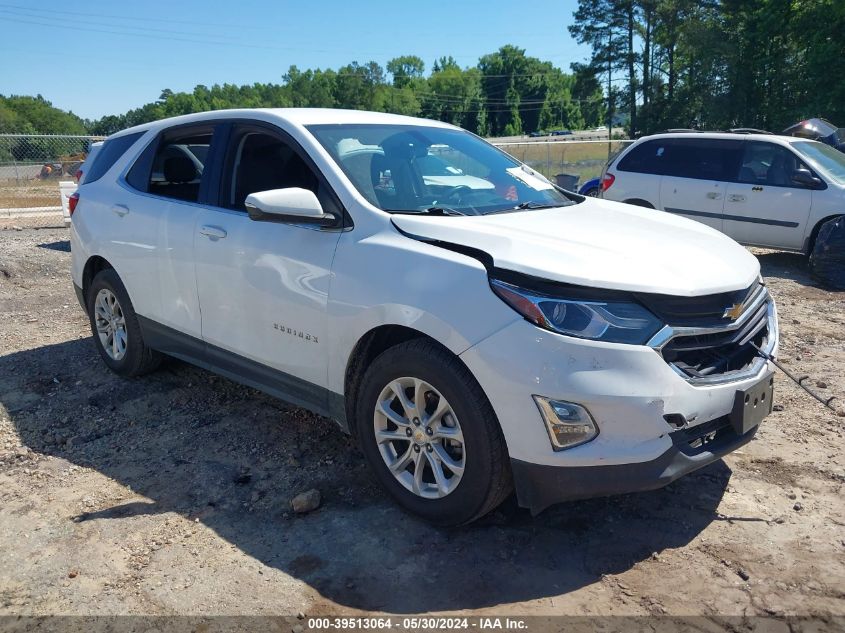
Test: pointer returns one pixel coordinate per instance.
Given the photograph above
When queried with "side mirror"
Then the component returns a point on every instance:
(805, 178)
(293, 204)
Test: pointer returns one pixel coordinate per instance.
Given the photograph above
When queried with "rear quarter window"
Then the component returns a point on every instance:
(109, 154)
(645, 158)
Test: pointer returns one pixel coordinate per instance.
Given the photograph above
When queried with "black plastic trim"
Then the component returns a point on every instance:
(80, 297)
(248, 372)
(539, 486)
(475, 253)
(734, 218)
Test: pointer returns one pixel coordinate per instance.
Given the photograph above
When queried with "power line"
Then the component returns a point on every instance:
(152, 34)
(132, 18)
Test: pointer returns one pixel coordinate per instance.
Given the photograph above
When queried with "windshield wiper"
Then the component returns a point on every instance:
(536, 205)
(523, 206)
(430, 211)
(443, 211)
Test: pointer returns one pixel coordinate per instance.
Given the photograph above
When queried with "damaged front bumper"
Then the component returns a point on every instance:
(650, 419)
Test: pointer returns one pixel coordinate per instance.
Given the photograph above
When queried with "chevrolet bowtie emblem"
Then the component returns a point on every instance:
(733, 312)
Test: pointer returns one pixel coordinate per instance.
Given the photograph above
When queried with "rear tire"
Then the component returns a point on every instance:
(455, 428)
(114, 324)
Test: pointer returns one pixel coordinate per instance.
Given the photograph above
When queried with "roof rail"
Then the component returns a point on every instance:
(748, 130)
(675, 130)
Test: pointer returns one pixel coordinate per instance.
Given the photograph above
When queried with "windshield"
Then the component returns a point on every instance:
(827, 160)
(419, 169)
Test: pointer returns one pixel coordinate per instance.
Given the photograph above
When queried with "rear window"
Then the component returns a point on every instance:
(109, 153)
(172, 165)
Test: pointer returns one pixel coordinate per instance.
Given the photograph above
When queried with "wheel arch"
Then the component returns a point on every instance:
(93, 266)
(639, 202)
(810, 242)
(374, 342)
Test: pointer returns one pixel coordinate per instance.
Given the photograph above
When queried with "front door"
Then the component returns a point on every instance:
(263, 286)
(764, 207)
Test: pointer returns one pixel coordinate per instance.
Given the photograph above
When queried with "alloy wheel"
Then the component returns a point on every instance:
(110, 324)
(419, 437)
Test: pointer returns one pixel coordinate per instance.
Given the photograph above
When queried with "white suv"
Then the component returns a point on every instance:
(474, 335)
(760, 189)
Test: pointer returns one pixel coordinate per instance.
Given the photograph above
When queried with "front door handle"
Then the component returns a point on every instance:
(735, 197)
(714, 195)
(120, 209)
(213, 232)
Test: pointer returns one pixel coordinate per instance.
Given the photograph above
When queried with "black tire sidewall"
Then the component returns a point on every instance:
(135, 349)
(475, 415)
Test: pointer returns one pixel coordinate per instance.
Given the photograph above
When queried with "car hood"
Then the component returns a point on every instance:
(600, 244)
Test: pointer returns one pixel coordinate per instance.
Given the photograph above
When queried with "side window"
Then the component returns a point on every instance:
(260, 161)
(178, 164)
(646, 158)
(704, 159)
(109, 153)
(768, 164)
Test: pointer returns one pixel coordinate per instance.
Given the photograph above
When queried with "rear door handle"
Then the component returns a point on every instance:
(735, 197)
(120, 209)
(714, 195)
(213, 232)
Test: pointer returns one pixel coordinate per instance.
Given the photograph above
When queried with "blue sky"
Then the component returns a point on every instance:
(98, 57)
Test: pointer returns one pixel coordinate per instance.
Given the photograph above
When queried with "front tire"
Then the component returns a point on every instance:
(114, 324)
(431, 436)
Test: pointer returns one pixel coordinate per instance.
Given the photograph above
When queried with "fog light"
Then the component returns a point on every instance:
(568, 424)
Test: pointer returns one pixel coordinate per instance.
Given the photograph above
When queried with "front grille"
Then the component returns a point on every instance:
(719, 350)
(706, 311)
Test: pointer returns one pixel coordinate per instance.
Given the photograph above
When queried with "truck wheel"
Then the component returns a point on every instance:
(114, 324)
(431, 436)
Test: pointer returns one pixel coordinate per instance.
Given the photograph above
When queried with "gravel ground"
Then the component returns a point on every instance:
(170, 494)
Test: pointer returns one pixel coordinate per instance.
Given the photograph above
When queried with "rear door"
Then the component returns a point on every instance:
(695, 177)
(763, 206)
(263, 286)
(171, 178)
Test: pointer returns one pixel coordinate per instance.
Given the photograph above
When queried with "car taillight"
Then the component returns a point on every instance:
(72, 201)
(607, 181)
(78, 175)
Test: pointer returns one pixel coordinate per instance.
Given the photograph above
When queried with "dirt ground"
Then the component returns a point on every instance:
(170, 494)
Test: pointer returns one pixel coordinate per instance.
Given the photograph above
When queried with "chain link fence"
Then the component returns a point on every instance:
(31, 168)
(569, 163)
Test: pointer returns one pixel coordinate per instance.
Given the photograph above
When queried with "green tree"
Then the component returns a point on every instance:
(405, 69)
(36, 115)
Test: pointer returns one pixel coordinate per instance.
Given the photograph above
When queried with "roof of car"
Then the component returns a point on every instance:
(297, 116)
(762, 136)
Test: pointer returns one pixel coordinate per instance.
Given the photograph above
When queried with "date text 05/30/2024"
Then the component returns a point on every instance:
(417, 623)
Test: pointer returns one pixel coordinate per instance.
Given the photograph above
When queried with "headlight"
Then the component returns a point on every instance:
(611, 321)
